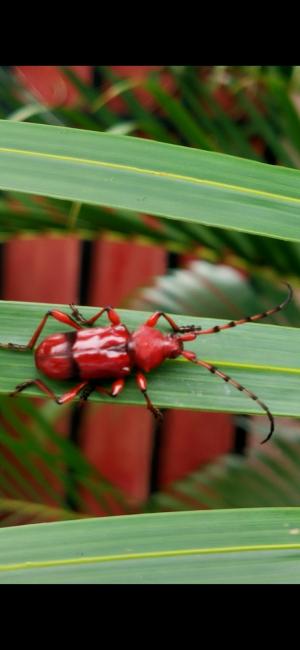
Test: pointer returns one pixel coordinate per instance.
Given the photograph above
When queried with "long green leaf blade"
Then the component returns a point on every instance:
(240, 546)
(157, 178)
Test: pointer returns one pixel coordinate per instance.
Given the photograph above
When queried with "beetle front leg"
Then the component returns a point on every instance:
(142, 384)
(58, 315)
(152, 321)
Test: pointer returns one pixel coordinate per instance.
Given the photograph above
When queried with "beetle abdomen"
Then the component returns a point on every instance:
(53, 356)
(93, 353)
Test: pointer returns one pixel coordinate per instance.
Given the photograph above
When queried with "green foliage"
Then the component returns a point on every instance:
(175, 182)
(233, 546)
(230, 209)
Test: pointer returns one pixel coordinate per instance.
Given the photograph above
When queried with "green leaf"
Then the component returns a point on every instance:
(263, 128)
(229, 137)
(148, 123)
(240, 546)
(180, 117)
(15, 512)
(58, 218)
(263, 359)
(146, 176)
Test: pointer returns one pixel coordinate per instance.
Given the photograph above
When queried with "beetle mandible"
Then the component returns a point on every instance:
(90, 354)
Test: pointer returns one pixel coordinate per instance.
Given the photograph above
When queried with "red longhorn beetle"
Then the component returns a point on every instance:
(91, 354)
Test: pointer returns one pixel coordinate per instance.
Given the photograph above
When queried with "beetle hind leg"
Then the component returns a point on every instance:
(66, 397)
(30, 382)
(57, 315)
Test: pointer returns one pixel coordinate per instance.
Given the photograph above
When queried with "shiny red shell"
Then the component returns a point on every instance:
(103, 352)
(94, 353)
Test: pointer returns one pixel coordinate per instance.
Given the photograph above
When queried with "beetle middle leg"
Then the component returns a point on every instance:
(115, 390)
(142, 384)
(111, 313)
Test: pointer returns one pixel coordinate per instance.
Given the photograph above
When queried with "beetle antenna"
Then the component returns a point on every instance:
(190, 356)
(250, 319)
(190, 332)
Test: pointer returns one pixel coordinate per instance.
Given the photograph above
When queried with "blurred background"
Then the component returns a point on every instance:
(59, 462)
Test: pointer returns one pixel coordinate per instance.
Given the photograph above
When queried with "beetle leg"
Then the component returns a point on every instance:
(142, 384)
(115, 390)
(76, 314)
(112, 315)
(190, 356)
(66, 397)
(40, 384)
(58, 315)
(151, 322)
(86, 389)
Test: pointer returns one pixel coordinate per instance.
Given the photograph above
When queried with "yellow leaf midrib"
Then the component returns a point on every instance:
(153, 172)
(97, 559)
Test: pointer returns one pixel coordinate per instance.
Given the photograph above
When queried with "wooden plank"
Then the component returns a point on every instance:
(191, 439)
(44, 269)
